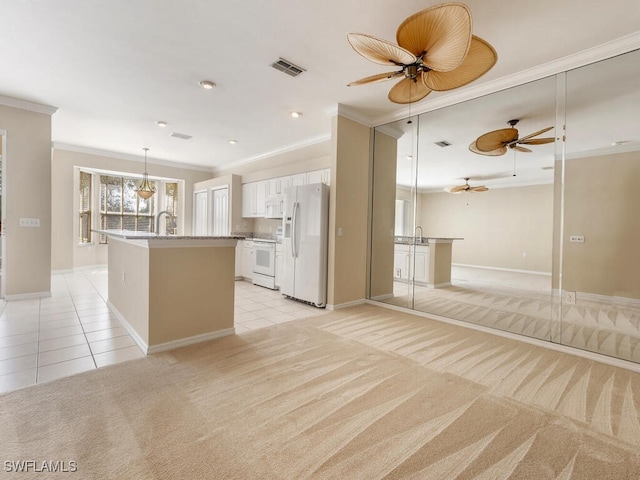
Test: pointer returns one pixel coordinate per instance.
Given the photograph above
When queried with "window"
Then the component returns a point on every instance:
(402, 218)
(171, 198)
(84, 235)
(121, 208)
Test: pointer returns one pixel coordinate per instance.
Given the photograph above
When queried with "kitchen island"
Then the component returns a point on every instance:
(427, 260)
(169, 291)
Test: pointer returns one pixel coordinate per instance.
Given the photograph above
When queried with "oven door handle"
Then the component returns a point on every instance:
(294, 226)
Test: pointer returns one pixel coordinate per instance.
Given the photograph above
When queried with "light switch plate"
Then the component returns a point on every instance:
(29, 222)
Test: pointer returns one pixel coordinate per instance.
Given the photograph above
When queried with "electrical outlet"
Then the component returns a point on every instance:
(570, 298)
(398, 273)
(576, 238)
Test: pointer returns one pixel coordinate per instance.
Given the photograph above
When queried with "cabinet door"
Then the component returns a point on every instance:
(422, 265)
(279, 265)
(249, 200)
(261, 198)
(316, 176)
(298, 179)
(247, 260)
(273, 187)
(239, 251)
(401, 262)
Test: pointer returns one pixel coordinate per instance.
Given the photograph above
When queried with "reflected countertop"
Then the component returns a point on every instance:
(425, 240)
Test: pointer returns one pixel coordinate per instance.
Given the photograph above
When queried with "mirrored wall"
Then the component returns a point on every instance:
(485, 212)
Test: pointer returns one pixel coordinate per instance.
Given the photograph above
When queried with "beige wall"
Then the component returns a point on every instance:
(65, 252)
(498, 226)
(349, 206)
(383, 222)
(602, 204)
(27, 194)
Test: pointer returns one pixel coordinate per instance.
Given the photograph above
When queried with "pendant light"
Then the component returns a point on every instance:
(145, 190)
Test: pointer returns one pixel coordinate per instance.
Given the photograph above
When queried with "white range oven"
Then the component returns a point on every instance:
(264, 263)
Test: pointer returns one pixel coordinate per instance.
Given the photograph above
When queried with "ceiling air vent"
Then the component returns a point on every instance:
(443, 143)
(181, 136)
(287, 67)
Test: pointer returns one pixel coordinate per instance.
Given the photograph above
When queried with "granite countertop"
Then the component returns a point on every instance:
(425, 240)
(133, 235)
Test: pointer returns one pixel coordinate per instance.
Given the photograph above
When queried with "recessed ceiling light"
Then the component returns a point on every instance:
(161, 123)
(207, 84)
(409, 157)
(233, 142)
(296, 114)
(619, 142)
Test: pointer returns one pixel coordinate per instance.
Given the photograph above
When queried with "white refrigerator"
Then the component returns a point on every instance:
(304, 243)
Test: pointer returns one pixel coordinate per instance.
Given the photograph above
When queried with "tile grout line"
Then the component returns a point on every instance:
(93, 359)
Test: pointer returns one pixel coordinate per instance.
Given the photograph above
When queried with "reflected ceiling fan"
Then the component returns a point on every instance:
(465, 188)
(496, 143)
(436, 51)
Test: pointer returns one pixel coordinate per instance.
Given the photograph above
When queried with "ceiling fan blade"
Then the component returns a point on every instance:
(496, 139)
(380, 51)
(480, 188)
(494, 153)
(537, 141)
(456, 188)
(480, 59)
(381, 77)
(522, 149)
(442, 33)
(408, 90)
(527, 137)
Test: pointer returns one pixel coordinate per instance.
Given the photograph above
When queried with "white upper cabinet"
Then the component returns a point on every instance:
(265, 198)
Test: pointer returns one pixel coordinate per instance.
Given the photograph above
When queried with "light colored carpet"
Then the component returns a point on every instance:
(360, 393)
(608, 328)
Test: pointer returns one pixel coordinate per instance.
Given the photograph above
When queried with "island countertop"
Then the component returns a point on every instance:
(134, 235)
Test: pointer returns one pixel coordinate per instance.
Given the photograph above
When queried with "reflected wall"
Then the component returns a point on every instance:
(514, 262)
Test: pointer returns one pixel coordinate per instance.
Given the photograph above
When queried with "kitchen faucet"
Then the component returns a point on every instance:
(416, 231)
(170, 224)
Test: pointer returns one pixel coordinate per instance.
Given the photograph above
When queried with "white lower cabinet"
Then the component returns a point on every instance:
(279, 265)
(406, 265)
(239, 248)
(247, 259)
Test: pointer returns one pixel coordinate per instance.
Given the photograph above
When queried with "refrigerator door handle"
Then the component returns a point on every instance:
(294, 225)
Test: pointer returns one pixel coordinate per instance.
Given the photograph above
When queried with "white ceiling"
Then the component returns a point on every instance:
(114, 68)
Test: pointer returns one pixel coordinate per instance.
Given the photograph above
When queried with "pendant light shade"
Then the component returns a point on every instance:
(145, 190)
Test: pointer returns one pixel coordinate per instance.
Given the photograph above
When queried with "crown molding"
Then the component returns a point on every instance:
(29, 106)
(325, 137)
(604, 51)
(127, 156)
(350, 113)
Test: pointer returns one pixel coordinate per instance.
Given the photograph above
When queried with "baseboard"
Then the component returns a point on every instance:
(162, 347)
(345, 305)
(130, 330)
(613, 300)
(62, 271)
(513, 270)
(77, 269)
(616, 362)
(183, 342)
(383, 297)
(27, 296)
(439, 285)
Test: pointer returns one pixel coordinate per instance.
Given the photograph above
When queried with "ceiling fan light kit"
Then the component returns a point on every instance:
(435, 50)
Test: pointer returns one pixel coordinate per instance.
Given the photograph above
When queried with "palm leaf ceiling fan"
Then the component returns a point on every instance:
(465, 188)
(436, 51)
(496, 143)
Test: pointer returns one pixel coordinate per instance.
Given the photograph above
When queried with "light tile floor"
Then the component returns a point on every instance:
(73, 330)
